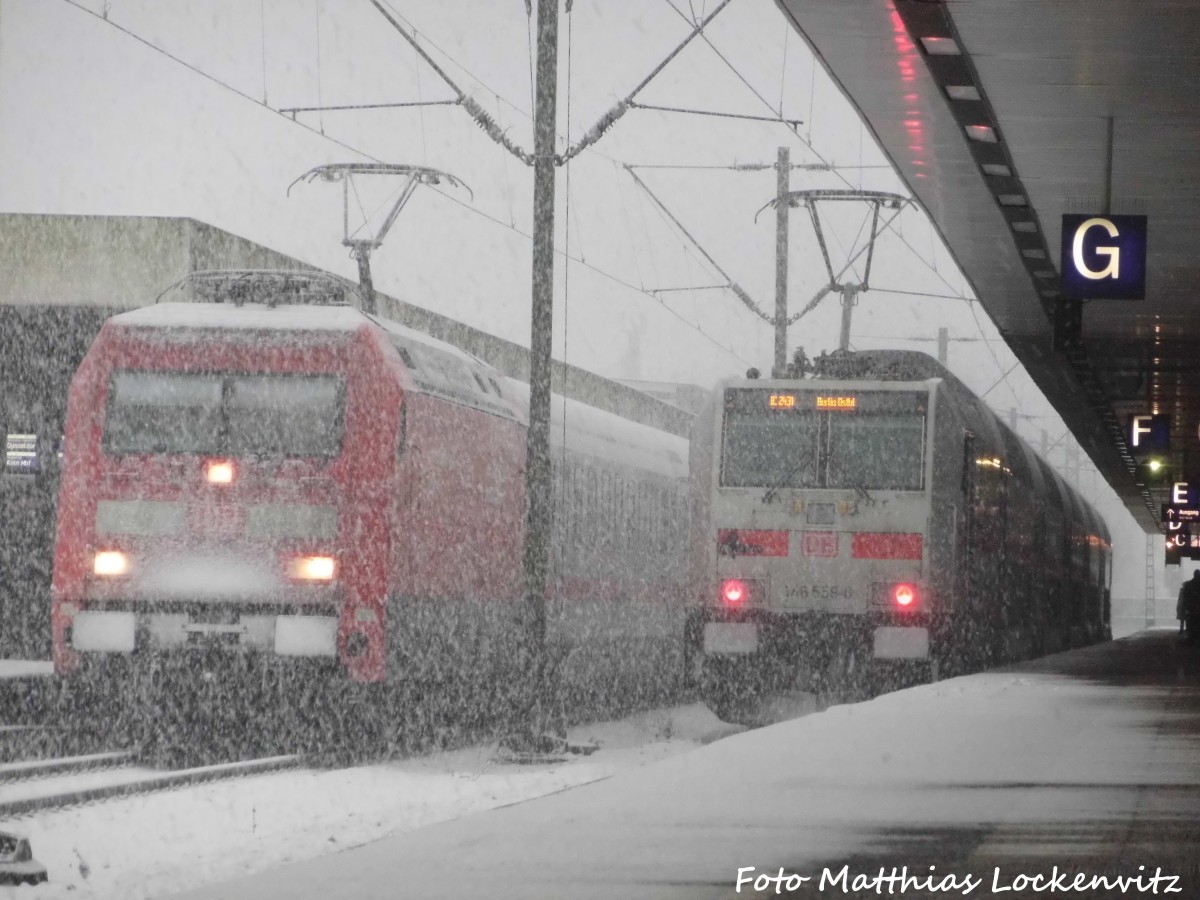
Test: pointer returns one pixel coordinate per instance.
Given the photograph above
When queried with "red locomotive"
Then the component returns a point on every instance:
(284, 486)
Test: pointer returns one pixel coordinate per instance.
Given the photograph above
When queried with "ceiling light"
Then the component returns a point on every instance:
(1011, 199)
(997, 169)
(963, 92)
(983, 133)
(1025, 226)
(941, 46)
(1033, 253)
(1046, 273)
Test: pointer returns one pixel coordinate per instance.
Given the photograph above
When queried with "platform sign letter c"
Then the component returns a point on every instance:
(1113, 269)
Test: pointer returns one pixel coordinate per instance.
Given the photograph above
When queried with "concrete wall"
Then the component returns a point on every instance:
(62, 276)
(123, 262)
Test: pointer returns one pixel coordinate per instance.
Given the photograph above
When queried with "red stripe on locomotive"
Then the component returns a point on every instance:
(867, 545)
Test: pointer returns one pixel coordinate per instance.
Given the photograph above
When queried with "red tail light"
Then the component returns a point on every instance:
(733, 592)
(905, 596)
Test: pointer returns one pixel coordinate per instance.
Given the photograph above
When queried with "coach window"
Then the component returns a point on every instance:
(623, 514)
(591, 505)
(606, 508)
(573, 509)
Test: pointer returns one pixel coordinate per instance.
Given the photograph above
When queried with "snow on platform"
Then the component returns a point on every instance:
(1086, 761)
(150, 845)
(26, 668)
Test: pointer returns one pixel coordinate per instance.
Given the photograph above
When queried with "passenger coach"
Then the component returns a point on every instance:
(875, 524)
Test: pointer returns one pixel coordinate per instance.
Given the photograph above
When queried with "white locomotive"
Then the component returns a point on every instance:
(873, 525)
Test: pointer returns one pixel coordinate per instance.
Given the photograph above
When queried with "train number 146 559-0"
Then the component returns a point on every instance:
(818, 592)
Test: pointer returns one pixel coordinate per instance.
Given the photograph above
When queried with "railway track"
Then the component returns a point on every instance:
(31, 769)
(41, 785)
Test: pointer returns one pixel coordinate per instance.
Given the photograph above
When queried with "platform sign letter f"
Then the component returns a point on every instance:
(1141, 425)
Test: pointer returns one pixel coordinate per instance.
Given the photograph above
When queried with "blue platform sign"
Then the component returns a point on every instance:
(1149, 434)
(1103, 257)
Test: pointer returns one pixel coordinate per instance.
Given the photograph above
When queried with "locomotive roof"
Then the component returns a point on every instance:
(593, 431)
(251, 316)
(286, 317)
(880, 365)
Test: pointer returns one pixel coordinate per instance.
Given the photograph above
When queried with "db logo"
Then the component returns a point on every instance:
(1103, 257)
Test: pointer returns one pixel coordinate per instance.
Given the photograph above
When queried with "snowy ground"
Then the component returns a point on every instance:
(157, 844)
(1087, 761)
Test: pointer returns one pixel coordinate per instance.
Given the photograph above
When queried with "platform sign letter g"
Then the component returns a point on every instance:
(1113, 269)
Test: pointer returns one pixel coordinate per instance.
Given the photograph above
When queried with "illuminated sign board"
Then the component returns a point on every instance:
(20, 454)
(782, 401)
(1180, 513)
(1183, 494)
(1149, 434)
(837, 402)
(1103, 257)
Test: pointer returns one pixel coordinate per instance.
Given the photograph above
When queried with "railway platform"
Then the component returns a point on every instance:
(1074, 775)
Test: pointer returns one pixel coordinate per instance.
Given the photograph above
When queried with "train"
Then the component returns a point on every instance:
(876, 525)
(270, 486)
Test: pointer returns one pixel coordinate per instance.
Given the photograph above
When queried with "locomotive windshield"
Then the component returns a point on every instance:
(810, 439)
(238, 415)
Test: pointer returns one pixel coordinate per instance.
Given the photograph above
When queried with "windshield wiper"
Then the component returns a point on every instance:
(863, 494)
(784, 480)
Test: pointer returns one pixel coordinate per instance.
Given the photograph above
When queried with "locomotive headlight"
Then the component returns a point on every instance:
(314, 568)
(111, 564)
(905, 596)
(219, 471)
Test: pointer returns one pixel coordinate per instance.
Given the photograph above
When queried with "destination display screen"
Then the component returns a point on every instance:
(21, 454)
(849, 402)
(813, 438)
(752, 401)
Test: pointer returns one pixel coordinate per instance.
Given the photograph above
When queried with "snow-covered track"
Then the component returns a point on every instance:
(141, 784)
(42, 768)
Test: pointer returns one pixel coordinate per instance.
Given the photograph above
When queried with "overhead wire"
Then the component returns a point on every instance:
(628, 224)
(262, 22)
(320, 99)
(765, 102)
(609, 276)
(995, 358)
(806, 142)
(358, 152)
(213, 79)
(783, 70)
(420, 109)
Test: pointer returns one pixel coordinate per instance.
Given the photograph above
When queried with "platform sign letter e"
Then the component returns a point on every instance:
(1103, 257)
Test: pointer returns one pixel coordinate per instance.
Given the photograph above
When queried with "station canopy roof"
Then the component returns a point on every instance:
(1003, 117)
